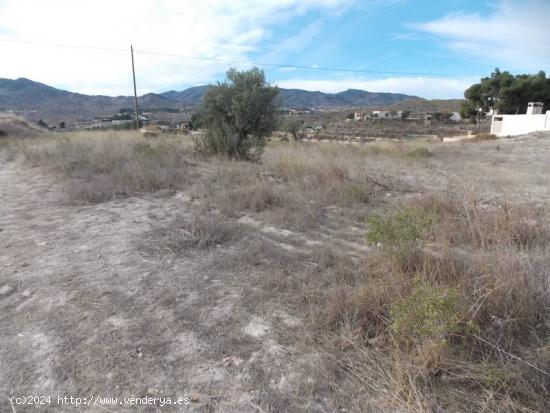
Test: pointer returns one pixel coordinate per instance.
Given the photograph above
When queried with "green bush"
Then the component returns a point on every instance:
(238, 115)
(403, 227)
(213, 140)
(428, 313)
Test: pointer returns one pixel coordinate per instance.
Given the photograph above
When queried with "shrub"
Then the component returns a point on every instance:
(427, 313)
(213, 140)
(403, 227)
(295, 127)
(238, 115)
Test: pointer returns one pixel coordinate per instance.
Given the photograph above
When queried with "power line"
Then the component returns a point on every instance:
(247, 62)
(301, 67)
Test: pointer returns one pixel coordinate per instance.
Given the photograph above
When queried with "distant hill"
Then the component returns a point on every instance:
(298, 98)
(191, 96)
(50, 103)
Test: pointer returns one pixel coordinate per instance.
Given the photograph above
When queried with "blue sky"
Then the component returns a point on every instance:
(429, 48)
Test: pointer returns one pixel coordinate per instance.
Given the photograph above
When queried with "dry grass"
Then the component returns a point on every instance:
(183, 235)
(450, 311)
(458, 315)
(103, 166)
(12, 126)
(453, 316)
(293, 185)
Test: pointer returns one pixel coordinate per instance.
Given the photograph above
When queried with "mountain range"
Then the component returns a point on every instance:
(48, 102)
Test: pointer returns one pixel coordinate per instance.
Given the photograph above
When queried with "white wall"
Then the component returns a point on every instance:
(519, 124)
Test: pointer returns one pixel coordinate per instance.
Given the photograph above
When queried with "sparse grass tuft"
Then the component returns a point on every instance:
(183, 235)
(420, 152)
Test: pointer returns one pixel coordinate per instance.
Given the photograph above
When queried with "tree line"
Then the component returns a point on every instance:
(505, 93)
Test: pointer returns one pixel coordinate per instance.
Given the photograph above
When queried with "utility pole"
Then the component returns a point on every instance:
(135, 90)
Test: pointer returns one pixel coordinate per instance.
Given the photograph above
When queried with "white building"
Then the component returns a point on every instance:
(533, 121)
(455, 117)
(380, 114)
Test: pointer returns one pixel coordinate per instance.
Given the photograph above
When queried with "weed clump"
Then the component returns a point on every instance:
(427, 313)
(404, 227)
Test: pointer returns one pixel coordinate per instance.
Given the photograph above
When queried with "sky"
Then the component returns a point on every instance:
(427, 48)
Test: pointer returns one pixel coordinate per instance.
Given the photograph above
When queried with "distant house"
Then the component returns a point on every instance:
(386, 114)
(534, 120)
(381, 114)
(455, 117)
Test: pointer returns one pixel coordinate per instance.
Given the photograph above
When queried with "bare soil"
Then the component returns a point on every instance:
(85, 311)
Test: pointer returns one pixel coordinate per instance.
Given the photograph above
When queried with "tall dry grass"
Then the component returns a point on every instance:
(294, 184)
(455, 307)
(102, 166)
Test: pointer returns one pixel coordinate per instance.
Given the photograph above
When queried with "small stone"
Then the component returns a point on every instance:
(6, 289)
(27, 293)
(194, 398)
(232, 361)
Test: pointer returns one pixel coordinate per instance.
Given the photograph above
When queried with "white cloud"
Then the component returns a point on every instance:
(426, 87)
(515, 34)
(218, 29)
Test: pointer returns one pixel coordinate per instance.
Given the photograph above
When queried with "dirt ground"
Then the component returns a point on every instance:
(84, 312)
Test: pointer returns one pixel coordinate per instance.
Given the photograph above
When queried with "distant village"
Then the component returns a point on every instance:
(404, 115)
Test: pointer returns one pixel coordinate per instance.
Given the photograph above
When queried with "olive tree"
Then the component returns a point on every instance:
(295, 127)
(238, 114)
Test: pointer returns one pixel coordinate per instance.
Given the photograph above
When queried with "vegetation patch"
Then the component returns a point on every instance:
(109, 165)
(238, 115)
(183, 235)
(427, 313)
(421, 152)
(403, 227)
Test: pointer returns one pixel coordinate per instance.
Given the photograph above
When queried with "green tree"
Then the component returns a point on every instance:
(195, 122)
(506, 93)
(238, 114)
(469, 110)
(295, 127)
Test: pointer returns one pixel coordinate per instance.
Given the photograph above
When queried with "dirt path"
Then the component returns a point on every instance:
(83, 313)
